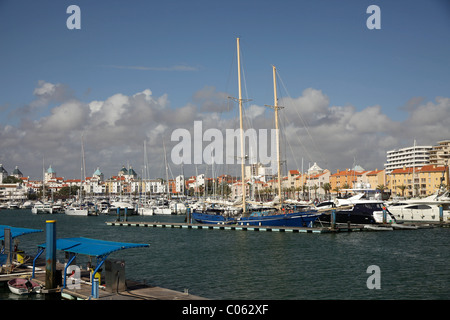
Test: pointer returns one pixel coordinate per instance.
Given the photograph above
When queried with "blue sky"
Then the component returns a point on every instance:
(178, 49)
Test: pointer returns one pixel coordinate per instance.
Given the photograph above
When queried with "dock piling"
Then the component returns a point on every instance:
(188, 215)
(333, 219)
(8, 247)
(50, 258)
(95, 286)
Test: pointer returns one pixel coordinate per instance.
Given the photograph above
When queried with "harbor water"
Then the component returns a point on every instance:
(251, 265)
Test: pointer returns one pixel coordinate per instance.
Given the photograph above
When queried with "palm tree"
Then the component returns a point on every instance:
(402, 188)
(326, 187)
(298, 189)
(337, 190)
(315, 187)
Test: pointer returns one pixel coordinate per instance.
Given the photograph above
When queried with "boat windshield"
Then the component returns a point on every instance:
(369, 206)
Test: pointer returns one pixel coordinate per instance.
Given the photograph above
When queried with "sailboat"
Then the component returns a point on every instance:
(278, 215)
(42, 206)
(78, 209)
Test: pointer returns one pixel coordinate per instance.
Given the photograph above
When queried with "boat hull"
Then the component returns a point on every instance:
(419, 213)
(297, 219)
(22, 286)
(76, 212)
(364, 212)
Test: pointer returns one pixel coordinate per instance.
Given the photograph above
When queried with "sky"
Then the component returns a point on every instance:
(137, 71)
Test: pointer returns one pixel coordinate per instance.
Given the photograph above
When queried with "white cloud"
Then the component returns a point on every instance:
(47, 92)
(115, 129)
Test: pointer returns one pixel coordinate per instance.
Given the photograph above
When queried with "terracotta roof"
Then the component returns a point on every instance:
(427, 168)
(347, 173)
(374, 172)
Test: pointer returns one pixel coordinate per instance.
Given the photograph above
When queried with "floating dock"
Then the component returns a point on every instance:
(69, 281)
(133, 291)
(243, 227)
(318, 230)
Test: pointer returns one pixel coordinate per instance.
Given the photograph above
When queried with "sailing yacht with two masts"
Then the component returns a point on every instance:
(279, 215)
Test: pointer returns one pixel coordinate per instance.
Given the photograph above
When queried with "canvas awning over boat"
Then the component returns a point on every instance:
(16, 232)
(92, 247)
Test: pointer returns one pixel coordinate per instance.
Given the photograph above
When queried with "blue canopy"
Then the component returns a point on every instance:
(16, 232)
(92, 247)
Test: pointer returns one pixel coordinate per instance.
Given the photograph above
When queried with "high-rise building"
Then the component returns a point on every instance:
(415, 156)
(440, 154)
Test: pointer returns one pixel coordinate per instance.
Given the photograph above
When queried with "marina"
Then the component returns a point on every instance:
(134, 290)
(29, 275)
(234, 264)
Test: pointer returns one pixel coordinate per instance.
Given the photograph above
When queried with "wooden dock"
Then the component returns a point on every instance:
(134, 290)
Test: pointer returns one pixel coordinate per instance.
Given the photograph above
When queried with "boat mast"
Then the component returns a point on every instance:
(241, 129)
(277, 131)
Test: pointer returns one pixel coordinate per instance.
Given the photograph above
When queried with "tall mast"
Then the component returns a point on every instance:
(277, 131)
(276, 107)
(241, 129)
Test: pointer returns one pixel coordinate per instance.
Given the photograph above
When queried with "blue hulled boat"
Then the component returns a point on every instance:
(277, 215)
(290, 219)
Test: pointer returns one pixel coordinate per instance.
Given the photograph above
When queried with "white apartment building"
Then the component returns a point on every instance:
(12, 192)
(440, 154)
(179, 184)
(415, 156)
(258, 171)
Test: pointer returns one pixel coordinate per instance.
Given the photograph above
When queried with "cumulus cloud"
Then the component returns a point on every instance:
(47, 92)
(210, 100)
(114, 130)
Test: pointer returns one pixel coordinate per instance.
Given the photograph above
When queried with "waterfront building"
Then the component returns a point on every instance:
(348, 179)
(180, 184)
(439, 155)
(289, 181)
(259, 171)
(422, 181)
(98, 175)
(49, 174)
(34, 186)
(415, 156)
(155, 186)
(236, 190)
(115, 184)
(17, 173)
(129, 174)
(3, 173)
(315, 182)
(13, 192)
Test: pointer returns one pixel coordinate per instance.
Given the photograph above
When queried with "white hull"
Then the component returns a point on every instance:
(145, 211)
(40, 208)
(121, 205)
(162, 211)
(17, 286)
(377, 228)
(418, 213)
(76, 212)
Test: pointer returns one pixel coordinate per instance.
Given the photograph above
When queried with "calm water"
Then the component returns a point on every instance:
(227, 264)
